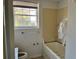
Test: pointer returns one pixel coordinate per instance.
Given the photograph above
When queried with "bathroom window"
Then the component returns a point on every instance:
(25, 17)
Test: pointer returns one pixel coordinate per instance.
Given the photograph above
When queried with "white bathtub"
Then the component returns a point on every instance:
(53, 50)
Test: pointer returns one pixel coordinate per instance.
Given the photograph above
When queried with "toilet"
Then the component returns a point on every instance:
(22, 55)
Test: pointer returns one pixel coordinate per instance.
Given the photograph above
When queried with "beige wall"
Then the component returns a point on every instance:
(51, 19)
(49, 24)
(62, 12)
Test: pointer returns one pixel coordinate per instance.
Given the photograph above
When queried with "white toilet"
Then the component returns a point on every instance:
(22, 55)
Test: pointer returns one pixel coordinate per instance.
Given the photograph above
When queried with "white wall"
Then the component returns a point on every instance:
(25, 42)
(71, 34)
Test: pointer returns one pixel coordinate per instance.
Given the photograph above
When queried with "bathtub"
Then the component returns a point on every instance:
(53, 50)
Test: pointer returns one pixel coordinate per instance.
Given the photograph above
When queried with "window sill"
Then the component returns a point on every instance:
(23, 28)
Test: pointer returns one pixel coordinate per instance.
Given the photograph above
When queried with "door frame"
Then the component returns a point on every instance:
(8, 40)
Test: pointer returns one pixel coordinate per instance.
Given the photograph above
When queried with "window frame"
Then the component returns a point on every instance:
(37, 18)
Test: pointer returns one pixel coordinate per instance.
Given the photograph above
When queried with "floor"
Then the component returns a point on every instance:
(38, 58)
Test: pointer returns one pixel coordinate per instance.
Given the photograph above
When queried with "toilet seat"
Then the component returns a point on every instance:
(22, 55)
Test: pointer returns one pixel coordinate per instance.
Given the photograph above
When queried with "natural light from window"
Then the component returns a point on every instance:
(25, 17)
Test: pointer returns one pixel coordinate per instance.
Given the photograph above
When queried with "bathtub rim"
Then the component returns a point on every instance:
(51, 51)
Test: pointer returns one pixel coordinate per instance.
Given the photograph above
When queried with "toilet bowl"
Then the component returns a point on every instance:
(22, 55)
